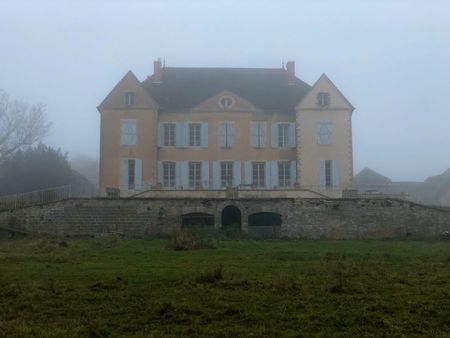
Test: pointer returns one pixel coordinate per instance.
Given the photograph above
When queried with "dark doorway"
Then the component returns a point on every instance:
(197, 221)
(264, 225)
(231, 220)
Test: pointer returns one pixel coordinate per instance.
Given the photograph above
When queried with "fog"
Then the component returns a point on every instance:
(389, 58)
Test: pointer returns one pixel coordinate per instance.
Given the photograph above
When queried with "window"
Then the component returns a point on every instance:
(259, 174)
(226, 134)
(169, 134)
(194, 134)
(323, 99)
(128, 132)
(129, 98)
(283, 135)
(131, 173)
(226, 174)
(226, 102)
(169, 174)
(284, 174)
(195, 174)
(258, 134)
(328, 181)
(324, 132)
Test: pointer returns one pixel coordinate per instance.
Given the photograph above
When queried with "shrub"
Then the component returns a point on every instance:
(211, 276)
(189, 240)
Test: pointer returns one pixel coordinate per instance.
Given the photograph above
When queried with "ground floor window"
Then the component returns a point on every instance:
(195, 174)
(328, 166)
(259, 174)
(226, 174)
(169, 174)
(284, 174)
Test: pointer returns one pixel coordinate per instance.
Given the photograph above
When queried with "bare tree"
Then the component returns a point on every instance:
(21, 125)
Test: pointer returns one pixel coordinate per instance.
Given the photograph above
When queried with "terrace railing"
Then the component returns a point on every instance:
(44, 196)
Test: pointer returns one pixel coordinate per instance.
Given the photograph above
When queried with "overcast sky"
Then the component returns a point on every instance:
(391, 59)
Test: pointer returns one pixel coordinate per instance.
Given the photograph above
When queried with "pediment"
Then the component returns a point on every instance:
(336, 100)
(128, 84)
(225, 101)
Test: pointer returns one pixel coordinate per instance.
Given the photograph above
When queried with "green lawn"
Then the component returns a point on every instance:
(137, 288)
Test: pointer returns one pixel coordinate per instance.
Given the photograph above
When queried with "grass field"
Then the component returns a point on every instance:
(138, 288)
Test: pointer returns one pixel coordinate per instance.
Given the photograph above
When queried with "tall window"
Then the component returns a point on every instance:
(284, 174)
(328, 181)
(226, 174)
(128, 129)
(258, 134)
(324, 132)
(226, 134)
(195, 174)
(169, 134)
(283, 135)
(129, 98)
(168, 174)
(323, 99)
(194, 134)
(259, 174)
(131, 173)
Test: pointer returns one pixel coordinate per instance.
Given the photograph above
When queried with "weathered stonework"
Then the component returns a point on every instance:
(301, 218)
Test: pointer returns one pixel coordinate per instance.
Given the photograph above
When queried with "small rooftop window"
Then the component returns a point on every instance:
(226, 102)
(323, 99)
(129, 98)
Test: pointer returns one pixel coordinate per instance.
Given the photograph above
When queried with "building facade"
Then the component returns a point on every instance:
(216, 128)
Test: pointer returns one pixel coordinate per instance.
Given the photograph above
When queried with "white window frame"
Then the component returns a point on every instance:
(324, 132)
(283, 135)
(195, 174)
(128, 132)
(195, 134)
(259, 174)
(328, 173)
(323, 99)
(226, 174)
(169, 174)
(129, 98)
(169, 138)
(284, 174)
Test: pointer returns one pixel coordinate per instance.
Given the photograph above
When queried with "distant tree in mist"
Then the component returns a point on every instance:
(21, 125)
(87, 166)
(36, 168)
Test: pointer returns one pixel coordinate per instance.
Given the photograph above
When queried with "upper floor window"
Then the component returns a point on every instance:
(194, 134)
(226, 174)
(284, 174)
(226, 102)
(283, 135)
(169, 174)
(195, 174)
(323, 99)
(226, 134)
(324, 132)
(259, 174)
(258, 134)
(169, 134)
(129, 98)
(128, 131)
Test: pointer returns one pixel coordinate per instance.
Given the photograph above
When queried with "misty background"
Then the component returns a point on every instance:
(389, 58)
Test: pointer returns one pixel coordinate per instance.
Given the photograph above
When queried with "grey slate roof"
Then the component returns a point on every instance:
(184, 88)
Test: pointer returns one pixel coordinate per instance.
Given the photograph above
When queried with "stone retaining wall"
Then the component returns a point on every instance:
(301, 218)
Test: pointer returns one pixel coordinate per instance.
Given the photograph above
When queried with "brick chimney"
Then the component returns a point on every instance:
(290, 70)
(156, 71)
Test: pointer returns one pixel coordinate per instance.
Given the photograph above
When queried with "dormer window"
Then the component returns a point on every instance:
(129, 98)
(226, 102)
(323, 99)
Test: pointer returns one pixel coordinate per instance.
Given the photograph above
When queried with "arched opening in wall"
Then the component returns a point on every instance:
(264, 225)
(231, 220)
(197, 221)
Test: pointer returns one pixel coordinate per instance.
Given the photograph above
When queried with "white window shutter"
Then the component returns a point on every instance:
(236, 173)
(292, 137)
(267, 182)
(183, 134)
(160, 134)
(205, 175)
(293, 172)
(322, 173)
(222, 134)
(204, 135)
(159, 172)
(178, 137)
(262, 134)
(123, 174)
(248, 172)
(138, 174)
(335, 178)
(230, 134)
(184, 174)
(274, 135)
(273, 174)
(254, 126)
(216, 174)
